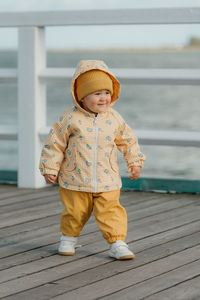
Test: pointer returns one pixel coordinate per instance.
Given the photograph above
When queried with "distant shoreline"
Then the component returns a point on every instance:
(119, 50)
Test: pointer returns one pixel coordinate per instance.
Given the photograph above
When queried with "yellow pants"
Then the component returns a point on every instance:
(111, 217)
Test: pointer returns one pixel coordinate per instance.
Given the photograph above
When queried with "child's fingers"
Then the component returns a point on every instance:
(50, 178)
(130, 171)
(135, 173)
(51, 181)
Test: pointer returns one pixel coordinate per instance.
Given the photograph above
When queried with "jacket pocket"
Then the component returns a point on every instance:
(70, 161)
(114, 160)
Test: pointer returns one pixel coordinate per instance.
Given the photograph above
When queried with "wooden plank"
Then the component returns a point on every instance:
(33, 225)
(13, 192)
(156, 230)
(52, 237)
(137, 205)
(133, 236)
(28, 227)
(28, 256)
(36, 224)
(44, 252)
(16, 215)
(156, 209)
(30, 214)
(133, 197)
(53, 220)
(37, 201)
(183, 291)
(139, 245)
(134, 215)
(49, 262)
(6, 188)
(137, 214)
(11, 209)
(162, 282)
(27, 197)
(135, 229)
(12, 198)
(108, 285)
(177, 215)
(131, 214)
(101, 279)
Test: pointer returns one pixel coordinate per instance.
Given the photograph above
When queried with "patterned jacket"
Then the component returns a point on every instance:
(81, 148)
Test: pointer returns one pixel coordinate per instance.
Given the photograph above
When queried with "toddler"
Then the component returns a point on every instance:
(81, 154)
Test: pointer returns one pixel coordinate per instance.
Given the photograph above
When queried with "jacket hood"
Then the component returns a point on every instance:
(88, 65)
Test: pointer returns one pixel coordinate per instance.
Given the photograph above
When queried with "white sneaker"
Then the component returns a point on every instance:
(67, 245)
(119, 250)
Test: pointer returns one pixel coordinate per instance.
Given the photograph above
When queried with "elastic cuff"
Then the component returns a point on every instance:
(114, 238)
(66, 233)
(136, 164)
(49, 172)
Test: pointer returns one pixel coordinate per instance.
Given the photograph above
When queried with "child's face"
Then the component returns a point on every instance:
(97, 102)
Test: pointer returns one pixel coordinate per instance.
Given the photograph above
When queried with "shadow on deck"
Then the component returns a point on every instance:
(163, 232)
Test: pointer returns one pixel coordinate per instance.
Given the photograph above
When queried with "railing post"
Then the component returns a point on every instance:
(31, 104)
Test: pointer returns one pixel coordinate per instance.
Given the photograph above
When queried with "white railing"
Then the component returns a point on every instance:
(32, 76)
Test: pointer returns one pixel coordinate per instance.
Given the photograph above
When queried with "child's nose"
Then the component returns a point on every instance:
(104, 96)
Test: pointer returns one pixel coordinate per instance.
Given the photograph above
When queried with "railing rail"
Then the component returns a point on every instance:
(32, 76)
(146, 137)
(125, 75)
(102, 17)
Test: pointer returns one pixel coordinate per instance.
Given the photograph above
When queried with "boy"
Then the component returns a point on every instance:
(81, 153)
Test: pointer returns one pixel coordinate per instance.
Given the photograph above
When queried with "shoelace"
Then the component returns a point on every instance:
(126, 246)
(122, 245)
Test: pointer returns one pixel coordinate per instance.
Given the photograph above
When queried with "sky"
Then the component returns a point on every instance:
(92, 37)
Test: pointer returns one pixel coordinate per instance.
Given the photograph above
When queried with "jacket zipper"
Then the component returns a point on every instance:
(95, 153)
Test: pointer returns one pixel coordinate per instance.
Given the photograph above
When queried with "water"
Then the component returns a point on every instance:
(153, 106)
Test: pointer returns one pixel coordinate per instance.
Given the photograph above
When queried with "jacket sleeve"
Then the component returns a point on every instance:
(127, 143)
(53, 151)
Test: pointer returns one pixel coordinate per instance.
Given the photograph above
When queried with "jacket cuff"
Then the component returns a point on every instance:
(137, 163)
(45, 171)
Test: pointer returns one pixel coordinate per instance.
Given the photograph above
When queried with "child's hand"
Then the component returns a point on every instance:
(50, 178)
(135, 172)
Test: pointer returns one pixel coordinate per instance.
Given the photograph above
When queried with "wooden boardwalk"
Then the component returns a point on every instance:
(163, 231)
